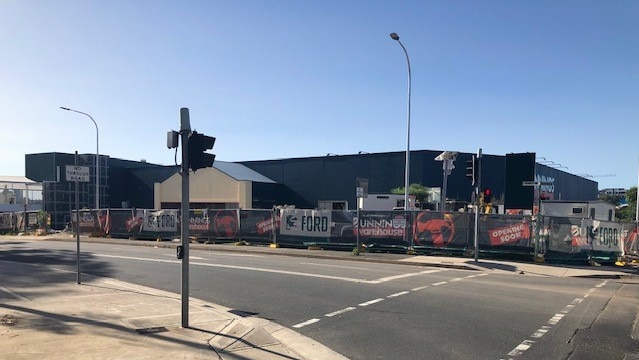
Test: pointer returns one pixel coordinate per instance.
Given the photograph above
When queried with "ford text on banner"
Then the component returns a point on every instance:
(311, 223)
(160, 221)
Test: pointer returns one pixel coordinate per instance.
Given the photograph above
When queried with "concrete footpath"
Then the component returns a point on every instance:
(45, 314)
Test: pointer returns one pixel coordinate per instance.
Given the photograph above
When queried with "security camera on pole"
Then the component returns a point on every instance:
(194, 157)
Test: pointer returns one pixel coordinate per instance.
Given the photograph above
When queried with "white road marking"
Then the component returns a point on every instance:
(402, 276)
(525, 345)
(440, 283)
(456, 279)
(470, 276)
(482, 274)
(248, 268)
(335, 266)
(577, 301)
(555, 319)
(567, 309)
(190, 257)
(540, 332)
(339, 312)
(420, 288)
(305, 323)
(398, 294)
(371, 302)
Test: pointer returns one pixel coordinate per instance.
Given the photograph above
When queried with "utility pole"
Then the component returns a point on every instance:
(185, 132)
(194, 156)
(477, 187)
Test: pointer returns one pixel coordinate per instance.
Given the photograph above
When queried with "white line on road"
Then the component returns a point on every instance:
(371, 302)
(398, 294)
(248, 268)
(335, 266)
(555, 319)
(190, 257)
(339, 312)
(456, 279)
(440, 283)
(420, 288)
(305, 323)
(525, 345)
(540, 332)
(403, 276)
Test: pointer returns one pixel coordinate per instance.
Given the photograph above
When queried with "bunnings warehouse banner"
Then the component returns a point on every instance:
(308, 223)
(199, 223)
(381, 225)
(437, 229)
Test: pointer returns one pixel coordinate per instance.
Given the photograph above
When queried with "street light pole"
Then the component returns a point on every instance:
(394, 36)
(97, 155)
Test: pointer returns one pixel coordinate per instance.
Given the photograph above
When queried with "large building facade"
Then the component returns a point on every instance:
(302, 182)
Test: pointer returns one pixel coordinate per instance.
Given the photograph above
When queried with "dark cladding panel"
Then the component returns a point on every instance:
(519, 168)
(40, 167)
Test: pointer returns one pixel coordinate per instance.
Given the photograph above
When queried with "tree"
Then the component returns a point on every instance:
(420, 191)
(628, 213)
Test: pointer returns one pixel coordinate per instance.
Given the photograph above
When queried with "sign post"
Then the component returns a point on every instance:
(77, 173)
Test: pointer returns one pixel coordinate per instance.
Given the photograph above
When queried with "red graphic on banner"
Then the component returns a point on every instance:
(509, 234)
(226, 224)
(438, 232)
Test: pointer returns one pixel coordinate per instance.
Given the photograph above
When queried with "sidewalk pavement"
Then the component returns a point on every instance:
(45, 314)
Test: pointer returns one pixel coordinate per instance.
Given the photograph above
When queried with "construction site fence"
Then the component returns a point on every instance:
(560, 239)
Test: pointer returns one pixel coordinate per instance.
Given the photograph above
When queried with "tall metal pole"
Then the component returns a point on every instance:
(77, 220)
(395, 37)
(97, 155)
(185, 131)
(477, 190)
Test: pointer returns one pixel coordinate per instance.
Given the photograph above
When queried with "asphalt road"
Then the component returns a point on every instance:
(383, 311)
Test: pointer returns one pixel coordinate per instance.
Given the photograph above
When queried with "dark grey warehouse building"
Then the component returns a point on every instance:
(305, 181)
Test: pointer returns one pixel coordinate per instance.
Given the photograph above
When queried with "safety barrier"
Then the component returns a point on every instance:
(559, 239)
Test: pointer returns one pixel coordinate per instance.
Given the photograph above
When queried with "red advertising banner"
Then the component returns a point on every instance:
(509, 234)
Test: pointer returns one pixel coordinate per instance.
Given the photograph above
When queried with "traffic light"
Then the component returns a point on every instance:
(470, 169)
(198, 157)
(487, 194)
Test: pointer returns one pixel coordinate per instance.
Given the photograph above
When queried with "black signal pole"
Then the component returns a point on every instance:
(185, 131)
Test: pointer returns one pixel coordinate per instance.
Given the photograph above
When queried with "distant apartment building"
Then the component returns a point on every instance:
(613, 192)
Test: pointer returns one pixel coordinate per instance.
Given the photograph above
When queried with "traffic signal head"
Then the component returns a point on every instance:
(471, 169)
(487, 195)
(198, 157)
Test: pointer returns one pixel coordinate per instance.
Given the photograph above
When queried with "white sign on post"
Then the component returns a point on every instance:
(77, 173)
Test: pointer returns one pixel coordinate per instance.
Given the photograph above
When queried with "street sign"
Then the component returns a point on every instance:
(530, 183)
(77, 173)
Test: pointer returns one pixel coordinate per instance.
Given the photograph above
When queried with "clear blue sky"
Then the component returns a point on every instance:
(291, 78)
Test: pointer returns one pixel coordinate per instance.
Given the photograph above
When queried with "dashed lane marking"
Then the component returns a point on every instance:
(526, 344)
(340, 312)
(398, 294)
(440, 283)
(305, 323)
(375, 301)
